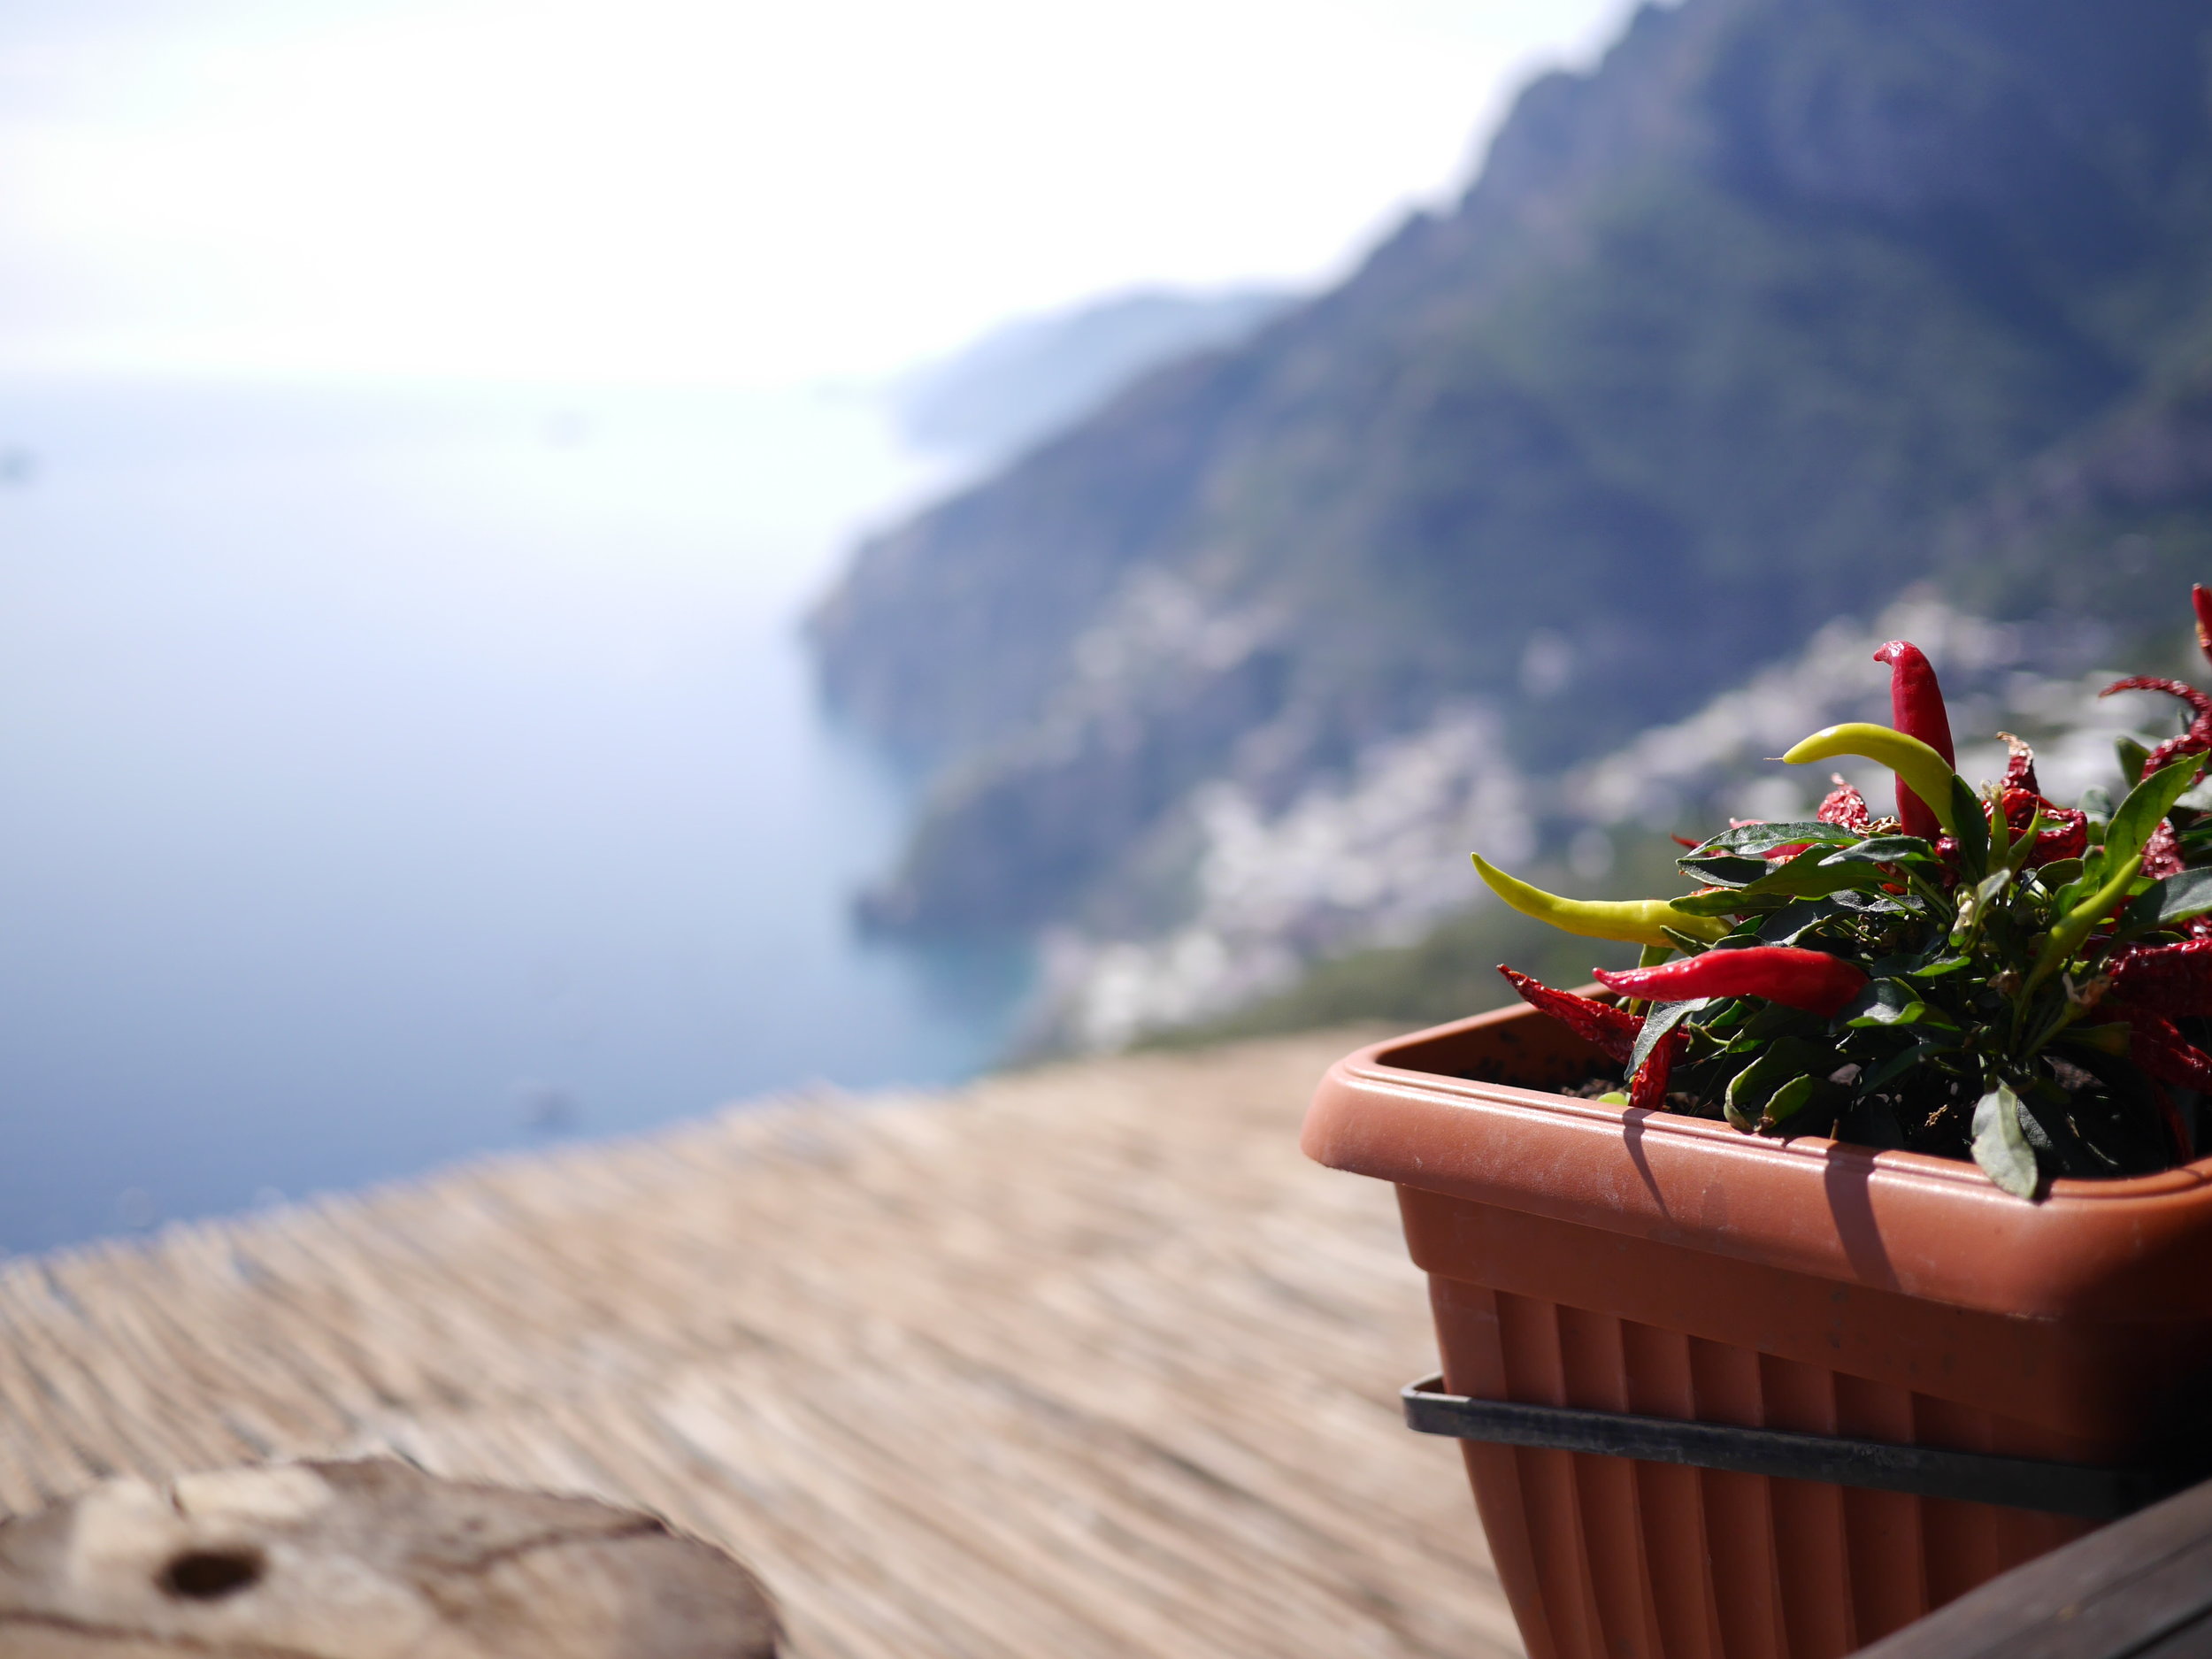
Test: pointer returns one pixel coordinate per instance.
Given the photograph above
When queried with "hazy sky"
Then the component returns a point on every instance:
(741, 190)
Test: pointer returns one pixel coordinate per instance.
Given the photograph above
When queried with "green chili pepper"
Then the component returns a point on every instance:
(1637, 921)
(1918, 767)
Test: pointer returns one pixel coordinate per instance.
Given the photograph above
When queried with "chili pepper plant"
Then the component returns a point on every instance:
(1983, 973)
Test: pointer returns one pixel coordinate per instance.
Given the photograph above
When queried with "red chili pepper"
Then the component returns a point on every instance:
(2019, 766)
(1611, 1030)
(2175, 980)
(1916, 705)
(1844, 805)
(2159, 1049)
(2201, 600)
(1812, 980)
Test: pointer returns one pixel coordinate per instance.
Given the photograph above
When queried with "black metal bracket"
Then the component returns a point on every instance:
(1927, 1472)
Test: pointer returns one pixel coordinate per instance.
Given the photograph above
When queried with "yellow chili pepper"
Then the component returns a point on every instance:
(1926, 773)
(1637, 921)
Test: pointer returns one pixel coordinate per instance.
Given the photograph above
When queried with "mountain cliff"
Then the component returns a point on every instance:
(1786, 305)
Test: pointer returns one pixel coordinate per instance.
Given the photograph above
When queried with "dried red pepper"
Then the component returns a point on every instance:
(1647, 1089)
(2066, 835)
(1915, 705)
(2066, 831)
(1844, 805)
(2198, 739)
(2175, 980)
(1812, 980)
(2159, 1049)
(2161, 854)
(1611, 1030)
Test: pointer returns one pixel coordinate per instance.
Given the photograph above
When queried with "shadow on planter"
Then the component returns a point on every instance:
(1585, 1256)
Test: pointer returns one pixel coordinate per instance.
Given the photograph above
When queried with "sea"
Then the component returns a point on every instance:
(393, 772)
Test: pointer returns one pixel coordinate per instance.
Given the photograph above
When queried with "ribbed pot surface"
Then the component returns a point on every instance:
(1606, 1558)
(1582, 1255)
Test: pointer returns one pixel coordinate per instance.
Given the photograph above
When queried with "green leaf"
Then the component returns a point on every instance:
(1811, 875)
(1726, 1015)
(2000, 829)
(1786, 1101)
(1893, 1002)
(1977, 905)
(1947, 964)
(1727, 902)
(1762, 838)
(2147, 803)
(1973, 831)
(2060, 874)
(1784, 1058)
(2096, 801)
(2074, 925)
(2174, 898)
(1930, 1043)
(2112, 1038)
(1791, 1100)
(1659, 1019)
(1999, 1147)
(2133, 757)
(1791, 922)
(1725, 870)
(1883, 1003)
(1929, 1016)
(1884, 850)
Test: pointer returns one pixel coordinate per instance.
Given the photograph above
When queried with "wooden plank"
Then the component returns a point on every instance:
(1087, 1361)
(2193, 1640)
(2123, 1590)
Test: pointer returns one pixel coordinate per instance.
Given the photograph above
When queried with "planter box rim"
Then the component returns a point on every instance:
(1932, 1227)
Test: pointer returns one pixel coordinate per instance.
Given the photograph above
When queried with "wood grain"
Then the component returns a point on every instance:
(364, 1560)
(1082, 1360)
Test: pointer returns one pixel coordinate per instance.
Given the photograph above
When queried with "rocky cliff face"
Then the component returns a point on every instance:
(1717, 349)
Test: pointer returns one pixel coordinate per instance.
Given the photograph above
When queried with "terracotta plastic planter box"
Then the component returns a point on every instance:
(1585, 1256)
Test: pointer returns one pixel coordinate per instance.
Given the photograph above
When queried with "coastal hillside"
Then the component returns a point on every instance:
(1789, 305)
